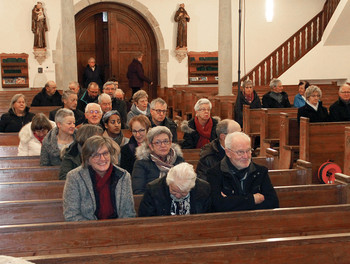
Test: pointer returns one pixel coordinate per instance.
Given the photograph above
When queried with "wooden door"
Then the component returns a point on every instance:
(115, 42)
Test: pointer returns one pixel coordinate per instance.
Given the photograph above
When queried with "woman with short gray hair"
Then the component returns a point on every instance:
(155, 157)
(98, 189)
(201, 129)
(276, 98)
(313, 108)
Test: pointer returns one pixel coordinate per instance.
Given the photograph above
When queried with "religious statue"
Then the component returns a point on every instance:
(39, 26)
(181, 17)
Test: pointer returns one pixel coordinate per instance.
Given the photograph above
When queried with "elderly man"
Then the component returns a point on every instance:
(178, 193)
(117, 104)
(236, 182)
(214, 152)
(276, 98)
(75, 87)
(340, 110)
(93, 73)
(70, 100)
(105, 101)
(48, 96)
(158, 117)
(93, 114)
(90, 96)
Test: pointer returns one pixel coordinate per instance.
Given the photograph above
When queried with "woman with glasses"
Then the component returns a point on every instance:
(98, 189)
(201, 129)
(139, 126)
(313, 108)
(140, 105)
(155, 157)
(32, 135)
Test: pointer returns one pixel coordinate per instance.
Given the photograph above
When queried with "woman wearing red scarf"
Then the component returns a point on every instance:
(201, 129)
(98, 189)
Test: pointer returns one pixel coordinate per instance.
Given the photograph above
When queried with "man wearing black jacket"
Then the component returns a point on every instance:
(48, 96)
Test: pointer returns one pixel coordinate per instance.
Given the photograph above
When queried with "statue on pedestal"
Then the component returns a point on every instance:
(39, 28)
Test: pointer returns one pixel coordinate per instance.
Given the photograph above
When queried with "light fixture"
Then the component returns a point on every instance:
(269, 10)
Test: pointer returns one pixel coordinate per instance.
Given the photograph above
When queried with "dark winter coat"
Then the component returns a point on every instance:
(93, 76)
(157, 201)
(78, 115)
(10, 122)
(339, 111)
(269, 102)
(243, 101)
(70, 160)
(226, 193)
(43, 99)
(127, 156)
(84, 100)
(120, 106)
(167, 122)
(321, 115)
(136, 75)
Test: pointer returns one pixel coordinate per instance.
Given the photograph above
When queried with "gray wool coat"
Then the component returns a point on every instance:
(79, 203)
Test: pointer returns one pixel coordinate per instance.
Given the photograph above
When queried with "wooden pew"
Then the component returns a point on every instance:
(43, 109)
(19, 161)
(8, 151)
(25, 174)
(320, 142)
(332, 248)
(122, 234)
(9, 139)
(347, 151)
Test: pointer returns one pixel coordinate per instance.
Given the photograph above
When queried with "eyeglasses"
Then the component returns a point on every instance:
(160, 111)
(94, 111)
(99, 155)
(241, 153)
(204, 109)
(141, 131)
(158, 143)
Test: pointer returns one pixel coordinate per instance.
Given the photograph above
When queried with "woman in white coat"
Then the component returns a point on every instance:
(32, 135)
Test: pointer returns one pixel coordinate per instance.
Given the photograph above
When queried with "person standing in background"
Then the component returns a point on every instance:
(93, 73)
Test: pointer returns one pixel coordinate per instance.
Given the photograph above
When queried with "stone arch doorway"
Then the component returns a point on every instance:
(115, 40)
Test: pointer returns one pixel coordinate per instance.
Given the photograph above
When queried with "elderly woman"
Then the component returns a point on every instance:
(113, 125)
(139, 126)
(72, 155)
(32, 135)
(155, 157)
(200, 130)
(58, 138)
(247, 97)
(17, 116)
(98, 189)
(140, 105)
(299, 99)
(276, 98)
(313, 108)
(179, 193)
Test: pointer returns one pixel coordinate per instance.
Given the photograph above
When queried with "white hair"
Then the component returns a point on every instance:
(230, 138)
(200, 102)
(183, 176)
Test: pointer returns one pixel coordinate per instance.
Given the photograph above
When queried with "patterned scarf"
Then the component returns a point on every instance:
(180, 206)
(164, 166)
(249, 97)
(204, 133)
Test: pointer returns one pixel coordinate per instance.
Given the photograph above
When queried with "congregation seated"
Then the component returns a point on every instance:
(75, 87)
(213, 152)
(48, 96)
(299, 99)
(93, 115)
(155, 157)
(201, 129)
(70, 101)
(313, 108)
(17, 116)
(110, 88)
(236, 182)
(32, 135)
(113, 127)
(247, 97)
(89, 96)
(139, 126)
(178, 193)
(276, 98)
(58, 138)
(158, 116)
(98, 189)
(340, 110)
(140, 105)
(71, 158)
(105, 101)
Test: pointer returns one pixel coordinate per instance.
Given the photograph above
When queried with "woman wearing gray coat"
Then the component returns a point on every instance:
(98, 189)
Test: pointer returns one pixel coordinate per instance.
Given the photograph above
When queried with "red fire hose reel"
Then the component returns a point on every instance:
(327, 171)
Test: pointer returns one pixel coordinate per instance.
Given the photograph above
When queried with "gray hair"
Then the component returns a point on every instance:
(86, 131)
(223, 125)
(94, 143)
(103, 96)
(119, 91)
(62, 114)
(92, 84)
(138, 95)
(87, 108)
(230, 138)
(66, 94)
(312, 88)
(14, 100)
(91, 58)
(156, 131)
(274, 83)
(200, 102)
(342, 86)
(246, 83)
(183, 176)
(75, 83)
(157, 101)
(108, 84)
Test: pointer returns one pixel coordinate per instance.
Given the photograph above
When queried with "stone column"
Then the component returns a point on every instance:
(66, 51)
(225, 48)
